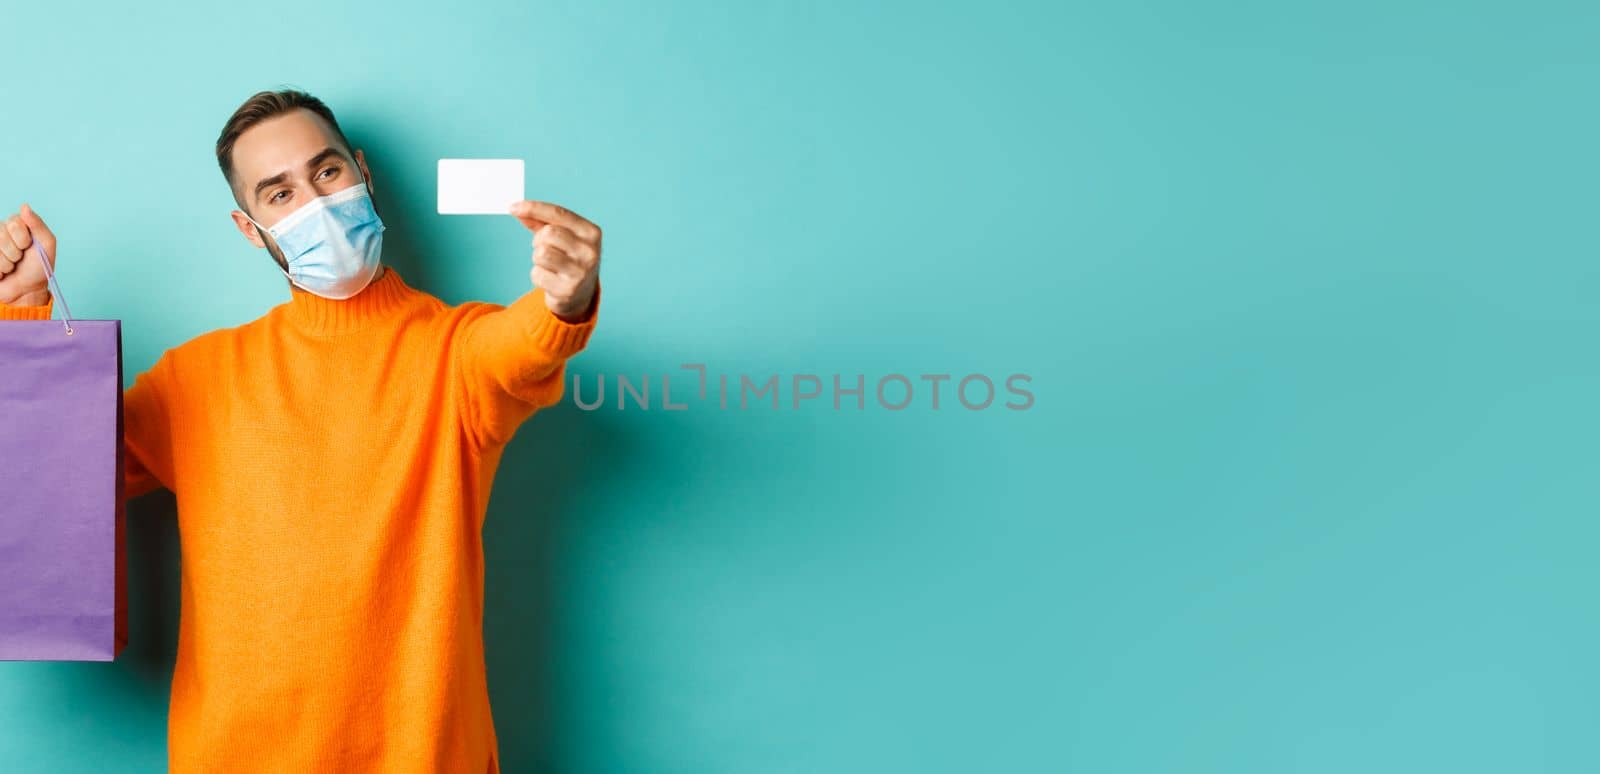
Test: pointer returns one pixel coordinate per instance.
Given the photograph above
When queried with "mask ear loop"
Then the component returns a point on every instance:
(262, 233)
(54, 286)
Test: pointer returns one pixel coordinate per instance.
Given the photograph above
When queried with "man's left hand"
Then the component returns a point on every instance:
(566, 257)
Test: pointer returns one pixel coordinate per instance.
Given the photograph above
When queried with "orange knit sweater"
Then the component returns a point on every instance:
(332, 463)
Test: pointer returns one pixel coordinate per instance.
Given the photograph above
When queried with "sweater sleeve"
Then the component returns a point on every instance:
(40, 312)
(512, 362)
(147, 431)
(145, 446)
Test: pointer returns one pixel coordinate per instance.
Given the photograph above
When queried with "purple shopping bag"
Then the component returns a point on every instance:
(62, 590)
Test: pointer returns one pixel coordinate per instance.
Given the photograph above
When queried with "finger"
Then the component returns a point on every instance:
(555, 259)
(542, 277)
(46, 237)
(551, 283)
(7, 266)
(558, 289)
(8, 248)
(18, 233)
(535, 214)
(567, 241)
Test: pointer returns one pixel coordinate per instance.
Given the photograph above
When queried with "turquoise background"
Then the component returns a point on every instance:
(1307, 292)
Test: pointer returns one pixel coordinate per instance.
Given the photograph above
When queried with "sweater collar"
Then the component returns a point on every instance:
(328, 316)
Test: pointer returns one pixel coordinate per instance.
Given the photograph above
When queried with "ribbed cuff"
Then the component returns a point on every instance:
(41, 312)
(553, 335)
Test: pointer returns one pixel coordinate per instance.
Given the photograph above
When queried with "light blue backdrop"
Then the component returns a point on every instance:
(1307, 292)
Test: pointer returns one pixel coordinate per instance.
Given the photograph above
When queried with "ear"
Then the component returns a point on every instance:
(247, 229)
(361, 161)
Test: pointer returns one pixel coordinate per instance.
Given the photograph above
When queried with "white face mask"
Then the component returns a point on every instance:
(332, 244)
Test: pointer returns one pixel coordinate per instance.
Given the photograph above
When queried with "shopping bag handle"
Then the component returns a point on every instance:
(54, 286)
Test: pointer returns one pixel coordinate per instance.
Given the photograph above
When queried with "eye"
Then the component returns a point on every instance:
(277, 197)
(328, 172)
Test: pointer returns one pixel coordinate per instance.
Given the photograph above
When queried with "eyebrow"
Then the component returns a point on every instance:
(269, 182)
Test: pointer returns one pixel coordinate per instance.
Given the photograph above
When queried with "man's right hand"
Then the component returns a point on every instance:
(22, 278)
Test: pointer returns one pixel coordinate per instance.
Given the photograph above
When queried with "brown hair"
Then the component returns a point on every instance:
(260, 107)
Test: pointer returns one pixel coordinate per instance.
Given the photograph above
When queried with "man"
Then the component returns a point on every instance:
(332, 462)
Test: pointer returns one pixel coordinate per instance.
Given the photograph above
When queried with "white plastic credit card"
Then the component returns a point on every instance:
(479, 186)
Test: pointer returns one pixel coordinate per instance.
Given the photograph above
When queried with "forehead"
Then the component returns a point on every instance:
(281, 143)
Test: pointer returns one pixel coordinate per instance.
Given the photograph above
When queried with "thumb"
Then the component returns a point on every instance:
(41, 232)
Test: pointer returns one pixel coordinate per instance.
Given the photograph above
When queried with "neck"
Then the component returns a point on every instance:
(386, 293)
